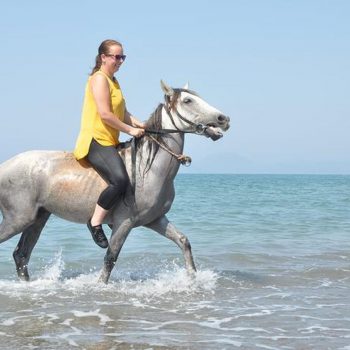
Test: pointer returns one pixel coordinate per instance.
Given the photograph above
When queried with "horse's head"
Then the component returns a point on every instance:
(190, 113)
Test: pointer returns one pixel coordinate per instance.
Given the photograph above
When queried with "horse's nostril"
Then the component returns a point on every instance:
(222, 119)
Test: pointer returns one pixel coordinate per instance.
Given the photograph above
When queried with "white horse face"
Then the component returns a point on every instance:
(193, 108)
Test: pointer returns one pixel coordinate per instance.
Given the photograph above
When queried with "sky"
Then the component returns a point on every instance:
(279, 68)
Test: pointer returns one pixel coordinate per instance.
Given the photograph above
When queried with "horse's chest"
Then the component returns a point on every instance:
(154, 206)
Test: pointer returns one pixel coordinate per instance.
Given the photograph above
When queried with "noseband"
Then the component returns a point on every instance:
(168, 106)
(197, 128)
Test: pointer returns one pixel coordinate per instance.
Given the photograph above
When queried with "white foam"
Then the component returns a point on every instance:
(66, 336)
(175, 281)
(320, 329)
(9, 322)
(67, 322)
(272, 295)
(103, 318)
(252, 329)
(215, 322)
(52, 317)
(84, 283)
(222, 341)
(266, 347)
(168, 281)
(256, 314)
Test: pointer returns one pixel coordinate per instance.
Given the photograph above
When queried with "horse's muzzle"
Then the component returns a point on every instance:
(213, 133)
(223, 122)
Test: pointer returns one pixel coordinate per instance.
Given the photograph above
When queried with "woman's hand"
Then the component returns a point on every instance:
(131, 120)
(136, 132)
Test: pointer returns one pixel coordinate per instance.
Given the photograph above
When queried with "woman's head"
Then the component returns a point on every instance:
(110, 56)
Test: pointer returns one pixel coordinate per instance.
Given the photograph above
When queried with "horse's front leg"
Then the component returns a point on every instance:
(119, 234)
(163, 226)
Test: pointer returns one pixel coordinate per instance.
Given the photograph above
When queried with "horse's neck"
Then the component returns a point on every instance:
(169, 122)
(166, 163)
(175, 143)
(174, 140)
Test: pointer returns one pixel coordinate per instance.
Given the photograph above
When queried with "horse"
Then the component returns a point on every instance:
(36, 184)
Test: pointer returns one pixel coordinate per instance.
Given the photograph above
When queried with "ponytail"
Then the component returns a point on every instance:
(98, 64)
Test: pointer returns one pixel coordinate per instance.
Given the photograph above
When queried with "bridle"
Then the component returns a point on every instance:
(198, 129)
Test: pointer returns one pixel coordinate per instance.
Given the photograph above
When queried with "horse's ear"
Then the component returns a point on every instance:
(166, 89)
(186, 87)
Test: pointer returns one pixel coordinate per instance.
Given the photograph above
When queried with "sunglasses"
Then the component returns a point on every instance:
(118, 57)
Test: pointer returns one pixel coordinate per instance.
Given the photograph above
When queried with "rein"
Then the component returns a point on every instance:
(198, 129)
(183, 159)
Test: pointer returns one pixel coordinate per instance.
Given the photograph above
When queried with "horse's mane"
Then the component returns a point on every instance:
(154, 123)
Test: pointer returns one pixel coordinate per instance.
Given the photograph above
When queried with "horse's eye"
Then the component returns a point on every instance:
(187, 100)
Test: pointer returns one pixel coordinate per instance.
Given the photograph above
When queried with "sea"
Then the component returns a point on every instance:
(273, 260)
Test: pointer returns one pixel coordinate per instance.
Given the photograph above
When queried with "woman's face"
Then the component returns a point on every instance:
(114, 59)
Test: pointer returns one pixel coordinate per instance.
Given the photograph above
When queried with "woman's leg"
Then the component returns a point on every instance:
(107, 162)
(98, 215)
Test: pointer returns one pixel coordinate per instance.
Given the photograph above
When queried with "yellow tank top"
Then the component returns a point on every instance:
(92, 126)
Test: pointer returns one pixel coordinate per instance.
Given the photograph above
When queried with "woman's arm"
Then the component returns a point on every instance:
(100, 91)
(131, 120)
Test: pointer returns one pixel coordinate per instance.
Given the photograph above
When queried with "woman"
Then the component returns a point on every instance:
(104, 115)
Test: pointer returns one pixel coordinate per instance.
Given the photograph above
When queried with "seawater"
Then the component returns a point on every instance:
(273, 259)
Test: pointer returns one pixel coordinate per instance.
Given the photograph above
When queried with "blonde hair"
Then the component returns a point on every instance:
(104, 49)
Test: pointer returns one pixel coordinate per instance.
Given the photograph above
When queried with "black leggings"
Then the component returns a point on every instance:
(108, 163)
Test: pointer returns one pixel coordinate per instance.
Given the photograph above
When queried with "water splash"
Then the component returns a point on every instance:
(54, 272)
(53, 281)
(50, 278)
(171, 281)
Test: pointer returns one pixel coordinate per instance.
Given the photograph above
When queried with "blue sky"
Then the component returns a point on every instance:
(279, 69)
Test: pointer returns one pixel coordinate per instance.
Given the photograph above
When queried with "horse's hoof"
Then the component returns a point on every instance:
(21, 267)
(192, 274)
(23, 274)
(103, 278)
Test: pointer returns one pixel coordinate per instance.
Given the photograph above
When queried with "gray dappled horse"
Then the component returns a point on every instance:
(36, 184)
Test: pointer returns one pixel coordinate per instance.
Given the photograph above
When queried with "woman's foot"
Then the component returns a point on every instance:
(98, 235)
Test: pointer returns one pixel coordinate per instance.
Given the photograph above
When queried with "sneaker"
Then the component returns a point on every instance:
(98, 235)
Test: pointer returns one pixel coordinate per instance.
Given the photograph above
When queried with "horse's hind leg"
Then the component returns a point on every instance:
(27, 242)
(19, 210)
(168, 230)
(11, 226)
